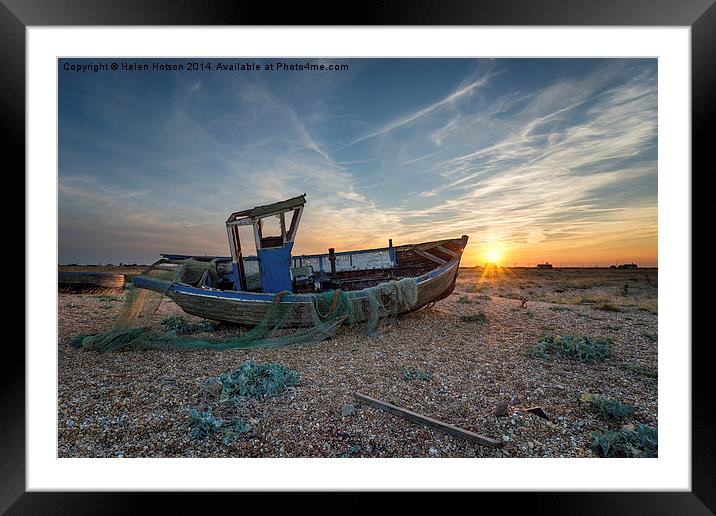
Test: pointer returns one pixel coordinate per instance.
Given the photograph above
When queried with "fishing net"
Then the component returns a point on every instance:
(320, 316)
(140, 304)
(384, 300)
(192, 271)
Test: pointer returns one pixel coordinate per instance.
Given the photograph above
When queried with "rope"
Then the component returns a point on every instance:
(334, 305)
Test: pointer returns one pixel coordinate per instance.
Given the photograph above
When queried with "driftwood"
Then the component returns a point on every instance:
(428, 421)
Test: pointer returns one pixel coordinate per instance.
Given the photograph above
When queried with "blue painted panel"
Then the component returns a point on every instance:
(235, 275)
(275, 268)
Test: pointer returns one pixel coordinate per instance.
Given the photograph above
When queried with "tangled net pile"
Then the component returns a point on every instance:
(320, 319)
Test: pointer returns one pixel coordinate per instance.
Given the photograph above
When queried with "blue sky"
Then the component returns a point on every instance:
(540, 159)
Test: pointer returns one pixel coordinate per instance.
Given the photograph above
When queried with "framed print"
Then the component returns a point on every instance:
(439, 248)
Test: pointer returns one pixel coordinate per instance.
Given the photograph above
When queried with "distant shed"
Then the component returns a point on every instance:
(545, 265)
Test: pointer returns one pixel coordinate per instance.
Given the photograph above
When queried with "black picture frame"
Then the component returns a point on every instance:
(700, 15)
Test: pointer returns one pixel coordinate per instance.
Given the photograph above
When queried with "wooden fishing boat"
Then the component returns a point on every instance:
(240, 289)
(82, 280)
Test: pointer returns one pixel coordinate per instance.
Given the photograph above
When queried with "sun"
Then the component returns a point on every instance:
(493, 255)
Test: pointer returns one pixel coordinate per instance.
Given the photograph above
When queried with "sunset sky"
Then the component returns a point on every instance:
(534, 159)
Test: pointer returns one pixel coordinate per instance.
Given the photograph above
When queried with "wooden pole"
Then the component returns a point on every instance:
(257, 234)
(282, 219)
(332, 258)
(237, 257)
(427, 421)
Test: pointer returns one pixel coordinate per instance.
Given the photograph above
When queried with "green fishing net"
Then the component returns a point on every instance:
(320, 318)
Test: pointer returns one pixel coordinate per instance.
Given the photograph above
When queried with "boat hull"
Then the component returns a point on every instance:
(248, 308)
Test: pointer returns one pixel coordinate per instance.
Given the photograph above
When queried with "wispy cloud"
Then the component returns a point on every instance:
(462, 91)
(558, 164)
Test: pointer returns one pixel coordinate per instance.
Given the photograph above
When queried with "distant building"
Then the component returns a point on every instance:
(627, 266)
(545, 265)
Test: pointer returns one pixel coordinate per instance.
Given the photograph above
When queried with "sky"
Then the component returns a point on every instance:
(535, 159)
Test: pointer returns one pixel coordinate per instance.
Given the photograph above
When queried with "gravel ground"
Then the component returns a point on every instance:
(136, 404)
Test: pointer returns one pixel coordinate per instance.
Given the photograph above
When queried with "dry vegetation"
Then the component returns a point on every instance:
(448, 362)
(605, 289)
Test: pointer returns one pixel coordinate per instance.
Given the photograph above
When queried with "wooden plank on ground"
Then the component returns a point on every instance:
(427, 421)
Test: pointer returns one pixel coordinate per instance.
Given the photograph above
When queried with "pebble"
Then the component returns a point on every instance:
(500, 410)
(127, 408)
